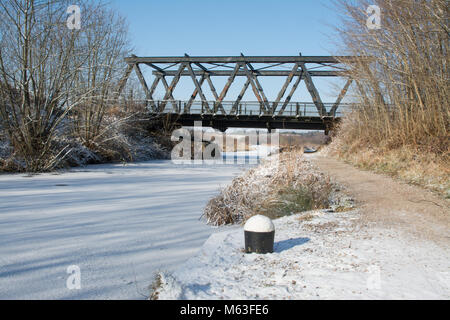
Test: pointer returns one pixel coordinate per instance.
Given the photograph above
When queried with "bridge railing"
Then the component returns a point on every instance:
(245, 108)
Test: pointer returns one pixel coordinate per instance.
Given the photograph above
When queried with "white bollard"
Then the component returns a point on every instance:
(259, 235)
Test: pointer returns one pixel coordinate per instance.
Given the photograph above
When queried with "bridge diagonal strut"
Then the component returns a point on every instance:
(291, 93)
(251, 79)
(284, 88)
(342, 94)
(173, 84)
(163, 103)
(239, 98)
(313, 91)
(229, 83)
(199, 88)
(124, 79)
(187, 107)
(217, 105)
(155, 67)
(153, 88)
(256, 86)
(144, 86)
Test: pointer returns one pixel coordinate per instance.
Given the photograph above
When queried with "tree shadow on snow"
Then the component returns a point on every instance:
(288, 244)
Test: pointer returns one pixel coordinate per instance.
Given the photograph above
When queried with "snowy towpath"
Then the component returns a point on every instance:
(392, 246)
(118, 224)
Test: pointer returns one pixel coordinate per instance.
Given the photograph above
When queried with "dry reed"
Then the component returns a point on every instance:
(260, 190)
(402, 122)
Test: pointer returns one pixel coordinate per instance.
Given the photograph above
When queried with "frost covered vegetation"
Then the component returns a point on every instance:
(58, 88)
(278, 187)
(126, 138)
(402, 127)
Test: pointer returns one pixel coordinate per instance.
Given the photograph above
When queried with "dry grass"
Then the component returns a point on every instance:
(275, 188)
(312, 139)
(155, 286)
(306, 217)
(402, 125)
(424, 169)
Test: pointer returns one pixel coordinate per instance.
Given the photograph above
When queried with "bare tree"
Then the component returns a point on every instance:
(48, 70)
(404, 90)
(106, 43)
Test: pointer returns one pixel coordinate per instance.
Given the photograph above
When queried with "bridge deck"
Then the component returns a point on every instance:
(223, 122)
(296, 115)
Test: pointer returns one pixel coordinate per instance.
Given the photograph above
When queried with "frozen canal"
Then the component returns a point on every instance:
(118, 224)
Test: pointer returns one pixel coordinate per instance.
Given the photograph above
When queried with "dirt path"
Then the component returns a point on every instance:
(391, 204)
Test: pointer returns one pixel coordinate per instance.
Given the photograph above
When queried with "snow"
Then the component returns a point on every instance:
(259, 223)
(317, 255)
(119, 224)
(123, 224)
(252, 156)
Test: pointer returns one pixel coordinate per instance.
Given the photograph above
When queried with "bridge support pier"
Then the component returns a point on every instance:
(330, 125)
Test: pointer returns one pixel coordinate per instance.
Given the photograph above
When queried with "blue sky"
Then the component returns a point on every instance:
(211, 27)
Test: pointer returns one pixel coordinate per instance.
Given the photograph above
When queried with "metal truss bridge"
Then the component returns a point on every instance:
(260, 113)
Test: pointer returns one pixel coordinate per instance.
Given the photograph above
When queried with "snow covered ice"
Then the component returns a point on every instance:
(119, 224)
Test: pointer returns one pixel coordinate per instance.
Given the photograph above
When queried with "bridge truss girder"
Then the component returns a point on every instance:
(201, 69)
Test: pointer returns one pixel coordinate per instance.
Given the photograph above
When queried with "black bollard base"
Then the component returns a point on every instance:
(259, 242)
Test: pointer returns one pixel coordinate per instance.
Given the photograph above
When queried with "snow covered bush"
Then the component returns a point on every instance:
(287, 185)
(123, 139)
